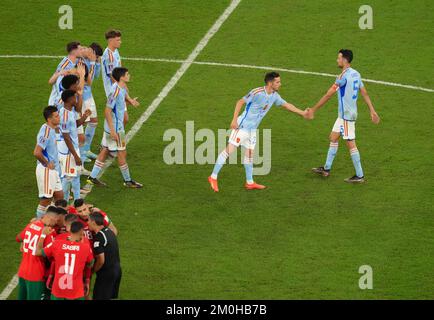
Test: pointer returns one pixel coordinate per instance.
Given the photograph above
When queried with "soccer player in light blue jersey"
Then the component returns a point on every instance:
(258, 102)
(114, 138)
(92, 60)
(111, 60)
(47, 164)
(68, 146)
(64, 67)
(347, 85)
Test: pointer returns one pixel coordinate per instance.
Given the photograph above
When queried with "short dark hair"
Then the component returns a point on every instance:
(96, 48)
(119, 72)
(72, 46)
(48, 112)
(69, 80)
(76, 227)
(112, 33)
(61, 203)
(70, 217)
(52, 209)
(78, 203)
(270, 76)
(66, 94)
(97, 217)
(347, 54)
(61, 211)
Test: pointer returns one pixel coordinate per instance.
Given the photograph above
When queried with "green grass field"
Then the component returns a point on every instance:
(303, 237)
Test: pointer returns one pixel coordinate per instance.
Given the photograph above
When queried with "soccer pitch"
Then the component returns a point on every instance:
(303, 237)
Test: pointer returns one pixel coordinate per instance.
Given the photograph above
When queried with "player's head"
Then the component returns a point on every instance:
(69, 219)
(345, 56)
(61, 203)
(76, 230)
(113, 38)
(61, 213)
(83, 209)
(121, 74)
(51, 116)
(51, 216)
(96, 221)
(73, 48)
(68, 98)
(70, 81)
(272, 79)
(96, 48)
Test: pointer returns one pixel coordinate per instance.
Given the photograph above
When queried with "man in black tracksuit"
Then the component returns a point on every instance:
(107, 262)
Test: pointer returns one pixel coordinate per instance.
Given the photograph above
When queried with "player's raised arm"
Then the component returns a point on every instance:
(330, 92)
(374, 116)
(290, 107)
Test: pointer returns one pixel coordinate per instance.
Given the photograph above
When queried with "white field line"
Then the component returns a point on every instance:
(233, 65)
(153, 106)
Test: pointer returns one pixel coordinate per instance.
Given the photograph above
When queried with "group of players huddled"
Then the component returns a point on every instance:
(60, 245)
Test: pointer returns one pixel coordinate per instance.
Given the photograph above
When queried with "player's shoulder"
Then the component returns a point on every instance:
(257, 90)
(105, 53)
(44, 131)
(353, 73)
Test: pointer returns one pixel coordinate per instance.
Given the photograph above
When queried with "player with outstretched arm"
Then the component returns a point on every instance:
(258, 102)
(347, 85)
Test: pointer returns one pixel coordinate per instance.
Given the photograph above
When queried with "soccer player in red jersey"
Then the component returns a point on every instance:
(73, 259)
(83, 210)
(33, 268)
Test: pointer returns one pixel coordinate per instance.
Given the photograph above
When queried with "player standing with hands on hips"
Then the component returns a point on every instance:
(347, 85)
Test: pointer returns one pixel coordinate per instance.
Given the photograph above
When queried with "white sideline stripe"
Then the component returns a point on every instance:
(153, 106)
(9, 288)
(233, 65)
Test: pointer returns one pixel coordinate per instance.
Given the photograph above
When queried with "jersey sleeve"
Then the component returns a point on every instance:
(42, 141)
(99, 244)
(65, 123)
(106, 218)
(21, 235)
(97, 71)
(248, 97)
(361, 83)
(279, 101)
(48, 250)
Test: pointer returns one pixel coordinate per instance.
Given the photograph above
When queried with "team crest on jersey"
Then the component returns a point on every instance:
(238, 140)
(72, 170)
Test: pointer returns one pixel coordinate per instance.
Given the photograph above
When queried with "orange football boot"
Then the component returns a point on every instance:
(253, 186)
(213, 183)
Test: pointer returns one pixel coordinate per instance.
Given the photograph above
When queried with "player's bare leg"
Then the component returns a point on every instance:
(355, 157)
(42, 206)
(221, 159)
(97, 167)
(126, 118)
(333, 149)
(248, 165)
(123, 166)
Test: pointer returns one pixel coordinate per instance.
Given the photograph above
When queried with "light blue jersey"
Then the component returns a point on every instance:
(258, 103)
(110, 60)
(64, 65)
(348, 85)
(93, 69)
(116, 102)
(68, 124)
(46, 139)
(56, 94)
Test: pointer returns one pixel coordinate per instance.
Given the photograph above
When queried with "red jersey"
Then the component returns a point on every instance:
(70, 259)
(32, 267)
(86, 230)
